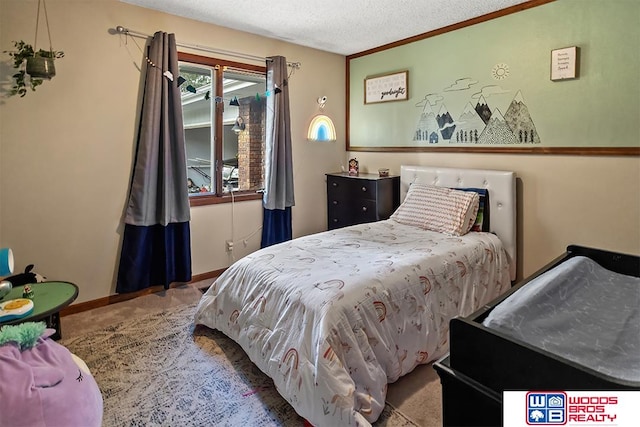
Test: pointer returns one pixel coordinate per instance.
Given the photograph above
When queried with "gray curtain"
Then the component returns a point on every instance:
(156, 247)
(278, 162)
(159, 193)
(278, 196)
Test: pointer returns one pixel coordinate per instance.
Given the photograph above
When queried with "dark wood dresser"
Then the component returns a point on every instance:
(362, 198)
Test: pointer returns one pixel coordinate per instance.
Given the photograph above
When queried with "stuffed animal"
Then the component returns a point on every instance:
(25, 278)
(41, 383)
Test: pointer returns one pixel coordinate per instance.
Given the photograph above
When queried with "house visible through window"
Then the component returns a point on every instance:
(223, 107)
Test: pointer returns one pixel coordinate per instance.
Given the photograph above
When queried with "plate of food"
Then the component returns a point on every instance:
(15, 309)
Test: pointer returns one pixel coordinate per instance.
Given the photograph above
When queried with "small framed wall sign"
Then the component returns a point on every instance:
(387, 87)
(564, 63)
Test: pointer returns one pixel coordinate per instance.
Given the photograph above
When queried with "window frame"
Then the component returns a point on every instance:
(218, 67)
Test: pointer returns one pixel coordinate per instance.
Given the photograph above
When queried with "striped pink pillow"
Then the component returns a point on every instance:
(439, 209)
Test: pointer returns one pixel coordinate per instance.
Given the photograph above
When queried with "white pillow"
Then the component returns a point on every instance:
(440, 209)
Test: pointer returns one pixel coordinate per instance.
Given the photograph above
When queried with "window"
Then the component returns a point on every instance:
(223, 108)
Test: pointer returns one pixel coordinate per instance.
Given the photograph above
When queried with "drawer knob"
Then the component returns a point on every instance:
(364, 209)
(335, 219)
(364, 188)
(335, 184)
(335, 202)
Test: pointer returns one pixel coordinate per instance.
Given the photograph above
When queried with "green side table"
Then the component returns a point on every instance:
(48, 299)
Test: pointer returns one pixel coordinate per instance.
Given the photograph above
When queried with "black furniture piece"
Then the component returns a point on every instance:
(360, 198)
(482, 362)
(466, 402)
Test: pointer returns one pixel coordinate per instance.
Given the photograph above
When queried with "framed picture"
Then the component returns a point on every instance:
(564, 63)
(387, 87)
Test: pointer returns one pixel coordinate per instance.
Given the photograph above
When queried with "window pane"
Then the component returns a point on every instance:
(243, 136)
(198, 115)
(223, 108)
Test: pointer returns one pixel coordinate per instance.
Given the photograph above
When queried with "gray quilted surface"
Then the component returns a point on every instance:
(580, 311)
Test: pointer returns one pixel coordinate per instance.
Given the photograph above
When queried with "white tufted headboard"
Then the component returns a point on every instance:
(502, 196)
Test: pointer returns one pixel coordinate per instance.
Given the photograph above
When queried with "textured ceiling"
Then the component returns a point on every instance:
(340, 26)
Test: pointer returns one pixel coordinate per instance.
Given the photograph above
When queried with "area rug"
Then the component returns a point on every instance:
(160, 370)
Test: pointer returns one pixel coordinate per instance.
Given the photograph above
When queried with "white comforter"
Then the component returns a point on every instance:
(333, 317)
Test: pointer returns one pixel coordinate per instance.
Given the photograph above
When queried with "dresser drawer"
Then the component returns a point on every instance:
(338, 221)
(365, 210)
(340, 188)
(364, 189)
(341, 213)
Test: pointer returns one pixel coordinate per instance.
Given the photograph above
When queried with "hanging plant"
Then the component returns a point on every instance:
(33, 67)
(36, 64)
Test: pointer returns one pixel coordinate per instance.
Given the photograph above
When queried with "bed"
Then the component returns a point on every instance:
(334, 317)
(572, 325)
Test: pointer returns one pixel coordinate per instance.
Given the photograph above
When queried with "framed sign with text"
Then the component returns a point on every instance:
(564, 63)
(387, 87)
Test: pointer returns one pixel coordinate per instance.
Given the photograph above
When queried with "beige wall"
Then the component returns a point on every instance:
(66, 150)
(562, 200)
(66, 153)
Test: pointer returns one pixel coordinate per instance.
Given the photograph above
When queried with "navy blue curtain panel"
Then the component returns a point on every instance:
(278, 189)
(155, 255)
(276, 227)
(156, 244)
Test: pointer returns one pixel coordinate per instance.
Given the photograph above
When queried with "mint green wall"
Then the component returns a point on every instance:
(601, 108)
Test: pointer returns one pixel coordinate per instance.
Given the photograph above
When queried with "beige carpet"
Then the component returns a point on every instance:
(416, 395)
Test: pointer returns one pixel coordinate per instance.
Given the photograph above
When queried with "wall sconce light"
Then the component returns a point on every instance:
(321, 129)
(238, 126)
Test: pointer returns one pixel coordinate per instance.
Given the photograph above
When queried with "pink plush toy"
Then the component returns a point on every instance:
(41, 385)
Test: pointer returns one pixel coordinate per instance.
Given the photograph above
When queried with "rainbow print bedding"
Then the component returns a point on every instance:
(333, 317)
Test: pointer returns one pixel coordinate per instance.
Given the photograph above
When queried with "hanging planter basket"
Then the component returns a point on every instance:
(41, 67)
(33, 65)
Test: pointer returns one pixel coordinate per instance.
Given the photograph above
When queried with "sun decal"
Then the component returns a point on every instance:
(500, 71)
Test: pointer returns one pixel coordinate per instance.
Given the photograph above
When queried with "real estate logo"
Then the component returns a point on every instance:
(549, 408)
(609, 408)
